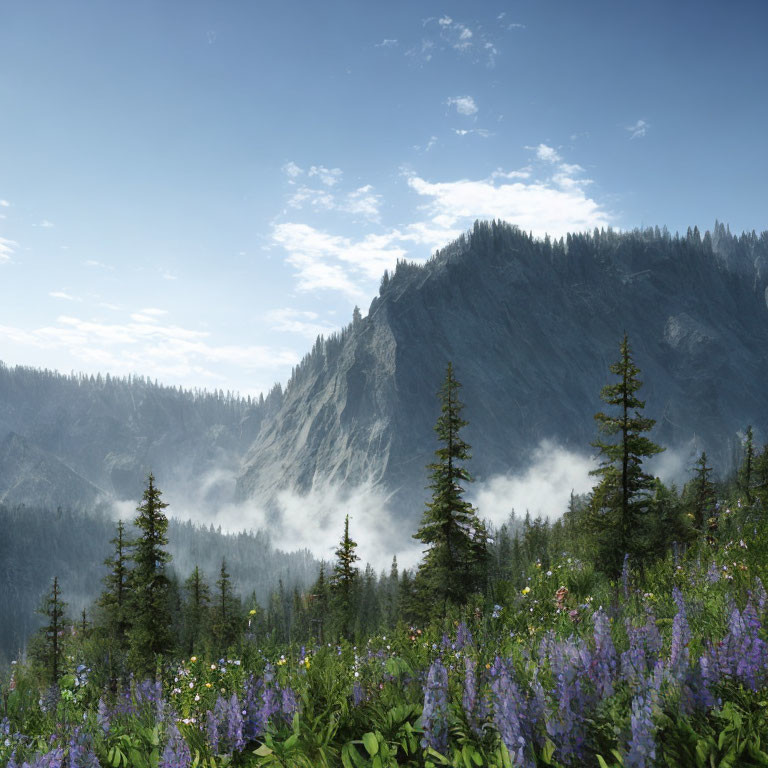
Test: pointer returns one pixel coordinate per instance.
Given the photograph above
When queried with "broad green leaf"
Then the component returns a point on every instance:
(371, 743)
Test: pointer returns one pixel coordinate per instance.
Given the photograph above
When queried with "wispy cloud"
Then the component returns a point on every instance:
(638, 130)
(4, 204)
(292, 170)
(482, 132)
(465, 105)
(7, 249)
(302, 322)
(387, 43)
(45, 224)
(333, 262)
(328, 176)
(361, 201)
(547, 196)
(546, 153)
(143, 344)
(452, 36)
(63, 295)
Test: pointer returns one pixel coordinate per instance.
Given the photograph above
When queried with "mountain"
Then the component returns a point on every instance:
(531, 327)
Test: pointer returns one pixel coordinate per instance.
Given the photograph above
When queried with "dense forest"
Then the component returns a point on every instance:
(628, 632)
(39, 543)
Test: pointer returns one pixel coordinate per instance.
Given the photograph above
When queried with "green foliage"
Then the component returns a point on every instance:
(621, 500)
(150, 633)
(345, 583)
(453, 565)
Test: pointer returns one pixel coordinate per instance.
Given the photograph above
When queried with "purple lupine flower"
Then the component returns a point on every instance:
(103, 717)
(679, 654)
(642, 744)
(603, 664)
(645, 644)
(760, 596)
(176, 753)
(81, 753)
(358, 694)
(212, 729)
(510, 716)
(235, 724)
(463, 636)
(741, 655)
(435, 714)
(713, 573)
(569, 663)
(469, 700)
(289, 705)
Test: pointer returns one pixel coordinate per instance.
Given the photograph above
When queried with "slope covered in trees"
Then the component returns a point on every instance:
(530, 325)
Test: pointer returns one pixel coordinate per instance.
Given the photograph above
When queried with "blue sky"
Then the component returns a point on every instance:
(193, 190)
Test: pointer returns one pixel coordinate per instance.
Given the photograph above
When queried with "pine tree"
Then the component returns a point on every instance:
(49, 649)
(453, 565)
(344, 583)
(621, 498)
(319, 604)
(226, 620)
(150, 633)
(700, 493)
(747, 470)
(114, 598)
(196, 610)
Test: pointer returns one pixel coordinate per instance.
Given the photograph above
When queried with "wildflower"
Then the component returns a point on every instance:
(193, 659)
(526, 590)
(435, 713)
(176, 753)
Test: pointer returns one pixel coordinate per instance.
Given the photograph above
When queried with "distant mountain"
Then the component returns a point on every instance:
(530, 325)
(28, 473)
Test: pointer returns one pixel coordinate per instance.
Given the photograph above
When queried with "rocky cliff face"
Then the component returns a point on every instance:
(531, 328)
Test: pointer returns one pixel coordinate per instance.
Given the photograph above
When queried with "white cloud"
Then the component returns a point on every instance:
(144, 345)
(7, 249)
(166, 275)
(544, 488)
(292, 170)
(555, 206)
(320, 199)
(638, 130)
(387, 43)
(482, 132)
(547, 154)
(333, 262)
(302, 322)
(63, 295)
(45, 224)
(363, 201)
(328, 176)
(465, 105)
(4, 204)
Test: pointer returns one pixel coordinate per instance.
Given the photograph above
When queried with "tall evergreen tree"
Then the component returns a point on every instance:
(622, 496)
(344, 583)
(114, 598)
(747, 469)
(454, 563)
(150, 633)
(700, 495)
(196, 610)
(226, 623)
(49, 648)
